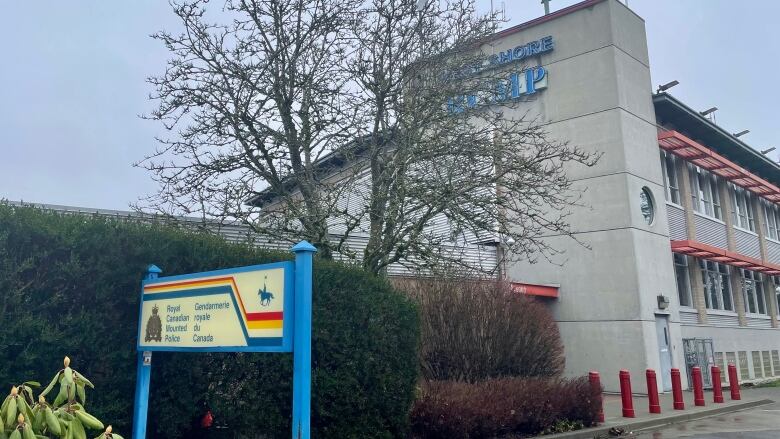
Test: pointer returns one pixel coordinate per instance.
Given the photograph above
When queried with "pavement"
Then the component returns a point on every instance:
(750, 414)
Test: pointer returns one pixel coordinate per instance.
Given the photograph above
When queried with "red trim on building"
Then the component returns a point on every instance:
(711, 253)
(708, 159)
(535, 290)
(540, 20)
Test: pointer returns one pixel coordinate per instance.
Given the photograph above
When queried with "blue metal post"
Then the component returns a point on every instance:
(143, 377)
(301, 416)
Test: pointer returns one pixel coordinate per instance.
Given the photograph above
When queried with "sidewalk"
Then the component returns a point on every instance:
(643, 419)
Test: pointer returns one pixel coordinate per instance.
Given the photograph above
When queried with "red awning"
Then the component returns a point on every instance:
(535, 290)
(708, 159)
(715, 254)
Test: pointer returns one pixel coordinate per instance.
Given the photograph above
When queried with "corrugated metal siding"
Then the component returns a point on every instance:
(747, 244)
(773, 251)
(678, 227)
(689, 318)
(721, 320)
(710, 231)
(753, 322)
(480, 257)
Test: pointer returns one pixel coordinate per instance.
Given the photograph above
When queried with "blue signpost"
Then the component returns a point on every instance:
(261, 308)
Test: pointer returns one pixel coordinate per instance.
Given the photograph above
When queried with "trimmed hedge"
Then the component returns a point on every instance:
(69, 284)
(503, 408)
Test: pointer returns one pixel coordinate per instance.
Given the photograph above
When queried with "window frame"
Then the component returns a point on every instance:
(755, 279)
(671, 178)
(716, 283)
(682, 273)
(705, 197)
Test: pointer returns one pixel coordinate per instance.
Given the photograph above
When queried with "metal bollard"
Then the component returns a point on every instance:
(652, 391)
(625, 394)
(734, 383)
(595, 384)
(698, 386)
(717, 388)
(679, 404)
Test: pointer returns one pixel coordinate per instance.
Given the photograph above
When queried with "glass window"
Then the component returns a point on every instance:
(776, 282)
(683, 281)
(770, 219)
(743, 211)
(717, 289)
(704, 193)
(670, 177)
(646, 204)
(753, 291)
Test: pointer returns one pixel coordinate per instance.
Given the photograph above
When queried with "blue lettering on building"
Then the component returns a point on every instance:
(517, 85)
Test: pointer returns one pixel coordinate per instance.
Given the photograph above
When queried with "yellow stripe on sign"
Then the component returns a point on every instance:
(189, 285)
(265, 324)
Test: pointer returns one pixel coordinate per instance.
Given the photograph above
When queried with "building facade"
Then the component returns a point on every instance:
(676, 260)
(680, 225)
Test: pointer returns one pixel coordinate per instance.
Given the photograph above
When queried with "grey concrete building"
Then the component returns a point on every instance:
(681, 219)
(681, 224)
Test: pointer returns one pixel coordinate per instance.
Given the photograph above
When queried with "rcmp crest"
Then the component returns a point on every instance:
(154, 326)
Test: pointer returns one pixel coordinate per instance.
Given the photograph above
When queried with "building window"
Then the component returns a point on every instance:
(704, 193)
(743, 211)
(776, 283)
(683, 281)
(646, 205)
(753, 291)
(717, 289)
(772, 219)
(671, 184)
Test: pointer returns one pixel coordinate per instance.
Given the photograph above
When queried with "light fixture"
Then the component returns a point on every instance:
(667, 86)
(708, 111)
(768, 150)
(663, 301)
(741, 133)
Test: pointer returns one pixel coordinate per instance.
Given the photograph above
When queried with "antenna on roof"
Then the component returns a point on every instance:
(546, 6)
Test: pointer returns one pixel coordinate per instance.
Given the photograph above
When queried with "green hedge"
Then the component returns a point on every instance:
(69, 284)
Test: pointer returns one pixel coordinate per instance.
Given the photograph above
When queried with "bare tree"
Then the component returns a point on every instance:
(252, 105)
(388, 103)
(444, 142)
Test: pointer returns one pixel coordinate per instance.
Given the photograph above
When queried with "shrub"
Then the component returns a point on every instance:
(71, 284)
(473, 330)
(502, 408)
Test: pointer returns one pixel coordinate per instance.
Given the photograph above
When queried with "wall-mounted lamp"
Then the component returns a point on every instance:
(663, 301)
(768, 150)
(667, 86)
(708, 111)
(741, 133)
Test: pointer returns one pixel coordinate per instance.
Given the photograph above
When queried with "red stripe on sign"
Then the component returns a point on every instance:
(255, 316)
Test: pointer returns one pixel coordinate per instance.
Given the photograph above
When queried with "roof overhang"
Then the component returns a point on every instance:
(535, 290)
(674, 115)
(715, 254)
(710, 160)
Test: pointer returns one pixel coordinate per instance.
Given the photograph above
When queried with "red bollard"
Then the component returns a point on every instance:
(717, 389)
(595, 384)
(679, 404)
(698, 386)
(625, 394)
(734, 383)
(652, 391)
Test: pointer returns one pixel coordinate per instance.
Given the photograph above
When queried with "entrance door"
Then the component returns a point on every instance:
(665, 352)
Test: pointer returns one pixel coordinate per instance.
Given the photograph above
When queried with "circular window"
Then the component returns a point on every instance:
(646, 204)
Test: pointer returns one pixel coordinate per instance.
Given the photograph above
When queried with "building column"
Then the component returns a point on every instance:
(695, 271)
(735, 278)
(739, 296)
(769, 288)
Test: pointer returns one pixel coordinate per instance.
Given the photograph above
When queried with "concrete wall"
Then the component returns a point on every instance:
(599, 98)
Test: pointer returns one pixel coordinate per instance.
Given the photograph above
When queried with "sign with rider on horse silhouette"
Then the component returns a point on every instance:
(260, 308)
(239, 309)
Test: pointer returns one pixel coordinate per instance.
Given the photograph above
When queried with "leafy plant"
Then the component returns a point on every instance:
(65, 418)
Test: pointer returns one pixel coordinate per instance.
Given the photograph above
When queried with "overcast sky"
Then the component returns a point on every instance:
(72, 76)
